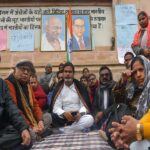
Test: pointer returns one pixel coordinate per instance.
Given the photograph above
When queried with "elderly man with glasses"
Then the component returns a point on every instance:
(23, 97)
(14, 132)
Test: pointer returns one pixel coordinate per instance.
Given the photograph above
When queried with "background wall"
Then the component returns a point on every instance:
(102, 31)
(102, 52)
(24, 18)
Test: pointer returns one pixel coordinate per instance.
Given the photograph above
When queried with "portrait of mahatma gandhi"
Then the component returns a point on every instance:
(53, 33)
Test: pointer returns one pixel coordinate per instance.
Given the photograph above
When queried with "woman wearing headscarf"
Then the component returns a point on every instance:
(136, 129)
(141, 43)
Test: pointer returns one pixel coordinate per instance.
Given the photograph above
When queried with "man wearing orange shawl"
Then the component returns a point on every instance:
(23, 97)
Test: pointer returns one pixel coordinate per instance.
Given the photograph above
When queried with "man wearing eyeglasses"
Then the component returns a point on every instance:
(14, 132)
(23, 97)
(51, 40)
(79, 40)
(103, 97)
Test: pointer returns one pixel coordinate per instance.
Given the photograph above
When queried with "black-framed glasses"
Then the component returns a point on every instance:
(24, 68)
(55, 28)
(92, 79)
(79, 26)
(104, 74)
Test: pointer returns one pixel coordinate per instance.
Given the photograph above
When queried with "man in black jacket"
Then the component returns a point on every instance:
(103, 97)
(14, 133)
(71, 103)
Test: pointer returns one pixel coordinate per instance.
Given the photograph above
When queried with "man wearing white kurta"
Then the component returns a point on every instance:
(69, 105)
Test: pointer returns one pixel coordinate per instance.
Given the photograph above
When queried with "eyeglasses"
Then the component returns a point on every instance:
(79, 26)
(48, 67)
(55, 28)
(83, 80)
(23, 69)
(126, 60)
(92, 79)
(105, 74)
(60, 78)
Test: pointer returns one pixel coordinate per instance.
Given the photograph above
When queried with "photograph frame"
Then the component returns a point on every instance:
(86, 34)
(53, 33)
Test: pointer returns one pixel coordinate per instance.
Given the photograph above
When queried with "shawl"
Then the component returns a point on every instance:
(24, 99)
(81, 90)
(144, 99)
(40, 96)
(92, 91)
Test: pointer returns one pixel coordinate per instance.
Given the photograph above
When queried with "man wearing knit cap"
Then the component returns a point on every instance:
(14, 132)
(26, 63)
(46, 78)
(21, 91)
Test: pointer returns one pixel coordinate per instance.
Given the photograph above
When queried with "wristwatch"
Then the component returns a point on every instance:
(139, 136)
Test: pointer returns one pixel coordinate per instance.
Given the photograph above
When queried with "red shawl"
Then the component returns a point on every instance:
(40, 96)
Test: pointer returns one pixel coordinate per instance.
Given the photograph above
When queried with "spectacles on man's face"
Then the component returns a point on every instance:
(24, 68)
(55, 28)
(104, 74)
(60, 78)
(79, 26)
(128, 59)
(92, 79)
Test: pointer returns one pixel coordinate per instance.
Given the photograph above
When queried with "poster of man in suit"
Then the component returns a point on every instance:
(81, 38)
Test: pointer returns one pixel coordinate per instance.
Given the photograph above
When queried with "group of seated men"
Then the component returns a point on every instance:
(21, 117)
(73, 105)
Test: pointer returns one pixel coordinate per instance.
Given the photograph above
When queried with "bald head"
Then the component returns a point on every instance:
(53, 27)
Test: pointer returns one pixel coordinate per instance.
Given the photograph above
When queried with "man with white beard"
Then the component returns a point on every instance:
(70, 103)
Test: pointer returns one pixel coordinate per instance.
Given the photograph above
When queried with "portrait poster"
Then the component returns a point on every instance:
(81, 33)
(53, 33)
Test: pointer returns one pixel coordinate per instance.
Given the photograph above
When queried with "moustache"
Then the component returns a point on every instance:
(68, 79)
(105, 79)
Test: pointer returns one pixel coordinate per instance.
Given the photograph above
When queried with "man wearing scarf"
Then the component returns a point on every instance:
(71, 103)
(14, 132)
(23, 96)
(103, 97)
(141, 43)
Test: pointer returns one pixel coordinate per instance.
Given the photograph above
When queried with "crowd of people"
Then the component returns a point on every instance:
(31, 106)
